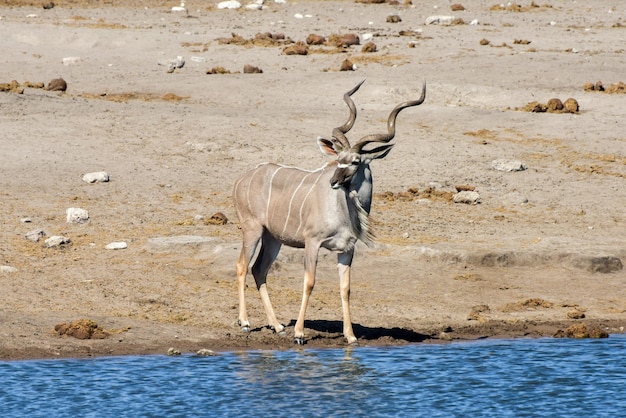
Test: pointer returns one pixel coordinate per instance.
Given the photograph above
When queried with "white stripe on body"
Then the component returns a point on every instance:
(306, 197)
(269, 196)
(293, 196)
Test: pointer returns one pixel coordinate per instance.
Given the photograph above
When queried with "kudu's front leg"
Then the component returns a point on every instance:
(344, 261)
(310, 265)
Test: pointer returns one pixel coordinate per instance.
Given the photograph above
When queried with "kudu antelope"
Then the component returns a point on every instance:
(328, 207)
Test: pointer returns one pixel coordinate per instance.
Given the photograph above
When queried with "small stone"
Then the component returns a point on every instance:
(35, 235)
(231, 4)
(57, 240)
(217, 218)
(116, 246)
(71, 60)
(505, 165)
(76, 216)
(456, 7)
(25, 220)
(8, 269)
(173, 352)
(439, 20)
(96, 177)
(467, 197)
(394, 19)
(204, 352)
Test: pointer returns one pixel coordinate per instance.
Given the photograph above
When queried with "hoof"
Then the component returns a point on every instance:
(245, 328)
(353, 344)
(298, 341)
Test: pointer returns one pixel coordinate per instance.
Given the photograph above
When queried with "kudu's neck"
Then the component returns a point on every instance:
(360, 202)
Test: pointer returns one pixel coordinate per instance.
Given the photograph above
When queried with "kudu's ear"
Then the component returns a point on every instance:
(327, 146)
(378, 152)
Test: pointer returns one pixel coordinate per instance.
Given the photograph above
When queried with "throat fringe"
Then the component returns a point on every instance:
(363, 229)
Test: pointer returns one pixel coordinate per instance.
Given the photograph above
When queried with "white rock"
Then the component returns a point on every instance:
(298, 16)
(96, 177)
(468, 197)
(254, 6)
(474, 22)
(8, 269)
(506, 165)
(71, 60)
(230, 4)
(439, 20)
(198, 59)
(205, 352)
(25, 220)
(56, 240)
(179, 62)
(35, 235)
(116, 246)
(76, 215)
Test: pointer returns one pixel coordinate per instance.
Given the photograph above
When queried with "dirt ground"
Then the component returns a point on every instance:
(544, 248)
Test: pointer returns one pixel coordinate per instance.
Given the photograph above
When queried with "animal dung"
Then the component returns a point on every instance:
(553, 105)
(57, 84)
(369, 47)
(314, 39)
(299, 48)
(82, 329)
(217, 218)
(251, 69)
(347, 65)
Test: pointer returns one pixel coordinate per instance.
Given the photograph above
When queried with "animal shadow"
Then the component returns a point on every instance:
(363, 332)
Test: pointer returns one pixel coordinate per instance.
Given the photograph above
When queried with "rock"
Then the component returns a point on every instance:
(173, 352)
(116, 246)
(71, 60)
(204, 352)
(35, 235)
(173, 64)
(48, 6)
(506, 165)
(76, 216)
(8, 269)
(231, 4)
(394, 19)
(467, 196)
(57, 240)
(96, 177)
(439, 20)
(58, 84)
(456, 7)
(25, 220)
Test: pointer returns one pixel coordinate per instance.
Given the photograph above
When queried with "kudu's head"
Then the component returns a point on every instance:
(350, 158)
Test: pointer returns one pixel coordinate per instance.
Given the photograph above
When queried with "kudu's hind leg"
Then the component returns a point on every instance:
(270, 247)
(251, 238)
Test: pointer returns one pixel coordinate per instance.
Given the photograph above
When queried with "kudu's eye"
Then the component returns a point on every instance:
(356, 162)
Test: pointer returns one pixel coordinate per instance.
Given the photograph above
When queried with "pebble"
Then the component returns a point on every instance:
(96, 177)
(116, 246)
(76, 215)
(8, 269)
(57, 240)
(506, 165)
(439, 20)
(230, 4)
(35, 235)
(71, 60)
(467, 197)
(173, 352)
(205, 352)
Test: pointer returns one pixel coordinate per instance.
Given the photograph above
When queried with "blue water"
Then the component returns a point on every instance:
(497, 378)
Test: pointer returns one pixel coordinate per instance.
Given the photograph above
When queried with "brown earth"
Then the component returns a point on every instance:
(542, 251)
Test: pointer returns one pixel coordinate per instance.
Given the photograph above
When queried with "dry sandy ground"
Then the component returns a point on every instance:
(544, 247)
